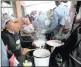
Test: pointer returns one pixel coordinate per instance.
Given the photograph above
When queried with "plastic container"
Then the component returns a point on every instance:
(41, 57)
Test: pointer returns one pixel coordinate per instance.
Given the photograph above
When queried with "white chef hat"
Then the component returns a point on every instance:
(5, 18)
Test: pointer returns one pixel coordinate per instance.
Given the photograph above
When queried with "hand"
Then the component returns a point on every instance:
(63, 40)
(33, 31)
(24, 51)
(33, 44)
(54, 38)
(27, 31)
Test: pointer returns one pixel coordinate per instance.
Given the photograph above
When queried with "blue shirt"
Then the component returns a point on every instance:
(40, 22)
(58, 13)
(4, 58)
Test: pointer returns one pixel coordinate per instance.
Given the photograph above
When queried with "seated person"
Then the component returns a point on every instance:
(9, 35)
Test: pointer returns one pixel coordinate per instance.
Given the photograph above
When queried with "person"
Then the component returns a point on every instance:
(70, 44)
(41, 22)
(50, 15)
(10, 36)
(4, 60)
(58, 13)
(27, 27)
(32, 17)
(77, 22)
(78, 18)
(27, 33)
(66, 23)
(65, 26)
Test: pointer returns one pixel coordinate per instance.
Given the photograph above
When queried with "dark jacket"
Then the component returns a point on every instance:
(13, 42)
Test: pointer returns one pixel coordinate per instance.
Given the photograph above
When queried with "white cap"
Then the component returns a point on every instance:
(5, 18)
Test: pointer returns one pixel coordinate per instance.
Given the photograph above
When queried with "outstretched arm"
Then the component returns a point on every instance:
(54, 23)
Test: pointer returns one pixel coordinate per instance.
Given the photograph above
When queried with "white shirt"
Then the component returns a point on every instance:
(28, 27)
(10, 31)
(66, 21)
(58, 13)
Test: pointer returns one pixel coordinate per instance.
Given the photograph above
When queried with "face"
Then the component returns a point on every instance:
(17, 24)
(10, 25)
(26, 21)
(14, 25)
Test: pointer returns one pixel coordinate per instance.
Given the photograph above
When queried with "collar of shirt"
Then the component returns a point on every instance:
(10, 31)
(61, 5)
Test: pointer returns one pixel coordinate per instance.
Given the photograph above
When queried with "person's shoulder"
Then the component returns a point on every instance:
(60, 7)
(4, 32)
(56, 9)
(4, 35)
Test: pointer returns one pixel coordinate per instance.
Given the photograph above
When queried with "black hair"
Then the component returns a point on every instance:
(64, 1)
(27, 16)
(7, 22)
(5, 14)
(78, 6)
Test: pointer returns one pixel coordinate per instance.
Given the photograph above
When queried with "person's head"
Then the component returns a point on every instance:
(51, 10)
(40, 12)
(57, 3)
(26, 21)
(27, 16)
(78, 6)
(5, 14)
(10, 23)
(32, 13)
(64, 1)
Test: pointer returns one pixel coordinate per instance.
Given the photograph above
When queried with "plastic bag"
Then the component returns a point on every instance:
(12, 59)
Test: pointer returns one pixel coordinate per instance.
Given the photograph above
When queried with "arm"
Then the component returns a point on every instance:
(54, 23)
(62, 25)
(5, 39)
(61, 29)
(78, 21)
(28, 32)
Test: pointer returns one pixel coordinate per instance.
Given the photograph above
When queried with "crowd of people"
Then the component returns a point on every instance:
(56, 22)
(52, 23)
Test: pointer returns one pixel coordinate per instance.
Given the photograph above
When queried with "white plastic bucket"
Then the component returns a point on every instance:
(41, 57)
